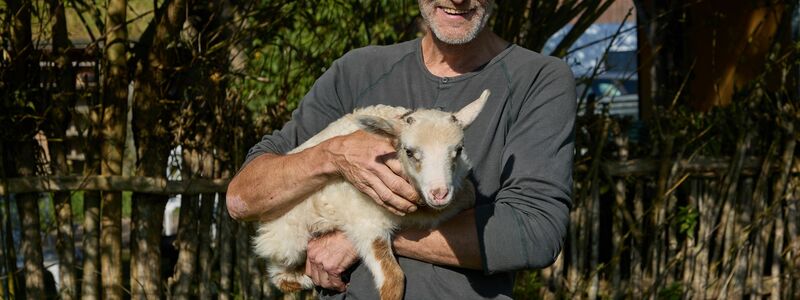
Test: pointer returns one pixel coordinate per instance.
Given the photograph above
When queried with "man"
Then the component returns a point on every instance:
(521, 146)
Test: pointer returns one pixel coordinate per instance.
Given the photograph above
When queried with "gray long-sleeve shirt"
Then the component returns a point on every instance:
(521, 148)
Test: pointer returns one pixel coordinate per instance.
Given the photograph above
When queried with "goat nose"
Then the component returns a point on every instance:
(439, 193)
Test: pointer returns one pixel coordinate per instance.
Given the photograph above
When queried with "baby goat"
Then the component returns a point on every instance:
(429, 146)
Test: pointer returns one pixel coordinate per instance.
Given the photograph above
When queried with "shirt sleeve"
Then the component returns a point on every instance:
(322, 105)
(526, 225)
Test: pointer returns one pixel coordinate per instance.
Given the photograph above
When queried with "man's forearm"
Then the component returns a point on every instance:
(271, 184)
(454, 243)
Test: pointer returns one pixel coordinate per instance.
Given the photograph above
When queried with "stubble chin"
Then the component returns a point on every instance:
(456, 36)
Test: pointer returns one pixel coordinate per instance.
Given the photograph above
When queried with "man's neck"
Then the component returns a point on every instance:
(446, 60)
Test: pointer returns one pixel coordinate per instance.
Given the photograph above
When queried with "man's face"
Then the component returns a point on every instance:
(456, 22)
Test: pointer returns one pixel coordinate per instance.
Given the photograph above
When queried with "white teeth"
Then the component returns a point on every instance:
(453, 11)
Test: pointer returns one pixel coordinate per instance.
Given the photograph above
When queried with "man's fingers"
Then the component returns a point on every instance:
(335, 282)
(395, 166)
(312, 272)
(324, 279)
(398, 185)
(390, 199)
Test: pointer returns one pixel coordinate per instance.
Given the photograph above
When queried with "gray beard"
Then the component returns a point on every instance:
(471, 35)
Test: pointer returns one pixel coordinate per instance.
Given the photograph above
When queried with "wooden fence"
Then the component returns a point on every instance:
(681, 227)
(646, 228)
(228, 269)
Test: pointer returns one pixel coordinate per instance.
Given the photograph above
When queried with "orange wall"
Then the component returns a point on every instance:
(616, 13)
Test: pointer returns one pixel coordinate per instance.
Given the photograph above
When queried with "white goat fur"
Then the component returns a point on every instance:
(434, 139)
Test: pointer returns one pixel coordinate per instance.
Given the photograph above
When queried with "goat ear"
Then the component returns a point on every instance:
(466, 115)
(378, 126)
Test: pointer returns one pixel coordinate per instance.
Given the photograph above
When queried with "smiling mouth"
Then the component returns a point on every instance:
(455, 12)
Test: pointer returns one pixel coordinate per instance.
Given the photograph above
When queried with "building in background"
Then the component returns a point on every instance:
(604, 61)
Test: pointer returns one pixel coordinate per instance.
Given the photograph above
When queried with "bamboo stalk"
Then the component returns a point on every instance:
(725, 232)
(593, 215)
(759, 235)
(147, 225)
(225, 251)
(254, 267)
(65, 246)
(8, 255)
(656, 239)
(31, 246)
(705, 211)
(594, 219)
(90, 284)
(28, 208)
(555, 275)
(204, 252)
(793, 232)
(186, 242)
(739, 274)
(777, 254)
(637, 250)
(620, 288)
(689, 245)
(668, 277)
(243, 259)
(4, 292)
(575, 244)
(9, 260)
(776, 209)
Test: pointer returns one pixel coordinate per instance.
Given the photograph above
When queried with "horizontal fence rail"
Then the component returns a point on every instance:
(151, 185)
(700, 167)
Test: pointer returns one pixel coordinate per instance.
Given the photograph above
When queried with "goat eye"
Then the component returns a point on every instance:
(409, 153)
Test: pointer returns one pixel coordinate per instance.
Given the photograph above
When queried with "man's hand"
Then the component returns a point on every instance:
(327, 258)
(369, 162)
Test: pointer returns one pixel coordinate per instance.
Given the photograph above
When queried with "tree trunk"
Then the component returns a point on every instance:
(90, 282)
(151, 127)
(21, 152)
(113, 132)
(59, 118)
